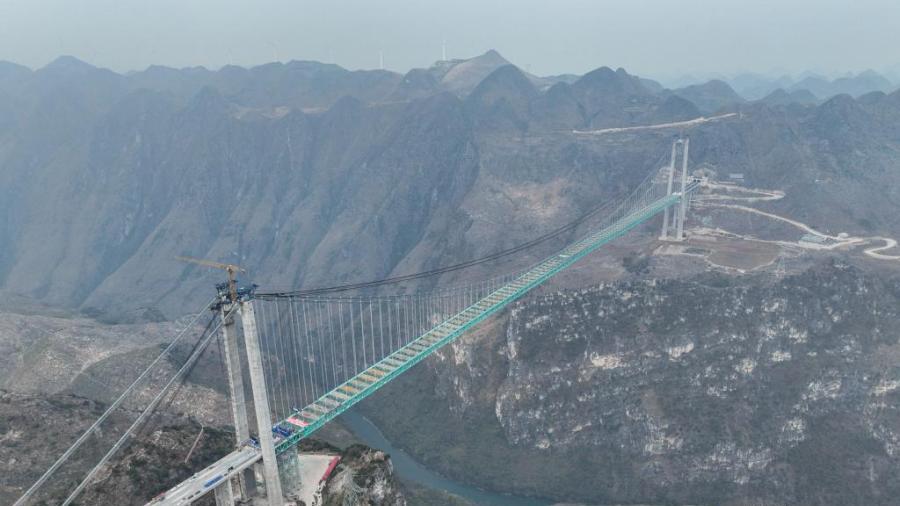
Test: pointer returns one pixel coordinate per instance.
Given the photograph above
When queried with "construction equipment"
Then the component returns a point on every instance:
(231, 269)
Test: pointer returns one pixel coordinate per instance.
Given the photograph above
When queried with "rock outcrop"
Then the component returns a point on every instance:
(703, 390)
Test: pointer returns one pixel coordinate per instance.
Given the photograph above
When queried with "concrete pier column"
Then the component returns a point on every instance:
(224, 494)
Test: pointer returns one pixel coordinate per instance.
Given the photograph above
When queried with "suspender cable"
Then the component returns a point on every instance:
(353, 340)
(331, 337)
(372, 328)
(298, 353)
(397, 325)
(309, 353)
(275, 362)
(390, 311)
(423, 321)
(270, 336)
(297, 377)
(287, 358)
(320, 358)
(362, 331)
(264, 337)
(407, 306)
(381, 328)
(344, 375)
(261, 332)
(417, 317)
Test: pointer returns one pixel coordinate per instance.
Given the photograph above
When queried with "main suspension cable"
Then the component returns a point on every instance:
(443, 270)
(463, 265)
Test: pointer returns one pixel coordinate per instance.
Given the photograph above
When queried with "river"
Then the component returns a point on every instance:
(408, 469)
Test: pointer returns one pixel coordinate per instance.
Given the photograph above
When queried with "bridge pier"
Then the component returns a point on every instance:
(224, 494)
(261, 406)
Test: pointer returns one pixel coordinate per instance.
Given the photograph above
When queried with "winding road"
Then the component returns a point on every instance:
(839, 241)
(658, 126)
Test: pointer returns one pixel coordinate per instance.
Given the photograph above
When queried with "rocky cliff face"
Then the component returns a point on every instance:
(703, 390)
(365, 476)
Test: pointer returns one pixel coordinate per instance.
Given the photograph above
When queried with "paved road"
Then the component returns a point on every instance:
(658, 126)
(197, 485)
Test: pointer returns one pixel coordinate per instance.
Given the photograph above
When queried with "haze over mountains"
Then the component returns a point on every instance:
(105, 178)
(754, 86)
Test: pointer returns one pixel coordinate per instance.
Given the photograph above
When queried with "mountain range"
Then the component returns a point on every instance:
(308, 174)
(752, 86)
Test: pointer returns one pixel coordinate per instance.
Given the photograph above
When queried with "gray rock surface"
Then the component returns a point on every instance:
(709, 390)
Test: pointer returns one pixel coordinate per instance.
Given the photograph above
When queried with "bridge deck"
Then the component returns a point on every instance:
(364, 384)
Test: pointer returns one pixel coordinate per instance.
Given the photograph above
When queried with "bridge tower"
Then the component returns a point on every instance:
(682, 208)
(665, 228)
(233, 300)
(246, 481)
(678, 214)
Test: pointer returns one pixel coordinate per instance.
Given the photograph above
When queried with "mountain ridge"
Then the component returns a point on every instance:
(136, 177)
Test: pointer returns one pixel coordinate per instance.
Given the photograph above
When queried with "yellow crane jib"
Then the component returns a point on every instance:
(231, 269)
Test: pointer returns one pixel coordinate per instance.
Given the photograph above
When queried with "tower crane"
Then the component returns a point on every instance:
(231, 269)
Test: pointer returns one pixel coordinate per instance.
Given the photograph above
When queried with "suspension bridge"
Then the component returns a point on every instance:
(311, 355)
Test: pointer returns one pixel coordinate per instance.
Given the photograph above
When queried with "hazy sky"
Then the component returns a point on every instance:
(650, 37)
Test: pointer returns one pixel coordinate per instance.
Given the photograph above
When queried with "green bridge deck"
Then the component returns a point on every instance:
(364, 384)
